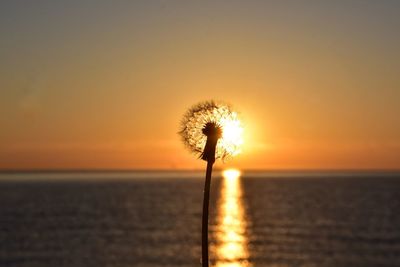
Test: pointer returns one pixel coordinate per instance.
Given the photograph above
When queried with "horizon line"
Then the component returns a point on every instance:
(123, 170)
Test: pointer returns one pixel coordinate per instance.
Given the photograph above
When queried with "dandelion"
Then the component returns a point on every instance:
(211, 130)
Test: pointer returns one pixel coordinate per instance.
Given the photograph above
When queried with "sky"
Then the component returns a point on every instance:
(104, 84)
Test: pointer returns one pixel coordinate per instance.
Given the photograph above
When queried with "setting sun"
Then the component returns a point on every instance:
(212, 112)
(232, 135)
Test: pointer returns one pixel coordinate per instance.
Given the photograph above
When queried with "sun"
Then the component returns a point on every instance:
(232, 134)
(213, 113)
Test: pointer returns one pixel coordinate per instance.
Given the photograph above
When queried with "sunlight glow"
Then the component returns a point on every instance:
(231, 248)
(229, 145)
(232, 134)
(231, 174)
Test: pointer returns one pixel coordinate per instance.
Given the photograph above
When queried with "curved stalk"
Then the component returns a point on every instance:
(204, 228)
(213, 133)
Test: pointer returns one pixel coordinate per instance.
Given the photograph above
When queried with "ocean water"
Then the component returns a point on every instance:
(154, 219)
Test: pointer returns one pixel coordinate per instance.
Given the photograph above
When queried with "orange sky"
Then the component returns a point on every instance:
(105, 86)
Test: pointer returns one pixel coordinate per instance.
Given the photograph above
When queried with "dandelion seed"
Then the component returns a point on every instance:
(223, 117)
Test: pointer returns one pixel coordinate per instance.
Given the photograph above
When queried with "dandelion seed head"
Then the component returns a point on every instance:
(214, 116)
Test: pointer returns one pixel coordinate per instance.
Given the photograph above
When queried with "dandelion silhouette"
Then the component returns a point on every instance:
(211, 130)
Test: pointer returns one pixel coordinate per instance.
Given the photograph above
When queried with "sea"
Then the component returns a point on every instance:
(153, 219)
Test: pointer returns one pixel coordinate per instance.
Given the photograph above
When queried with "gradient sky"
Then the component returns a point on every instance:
(104, 84)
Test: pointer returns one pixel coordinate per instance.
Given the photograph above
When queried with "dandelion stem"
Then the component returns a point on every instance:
(206, 200)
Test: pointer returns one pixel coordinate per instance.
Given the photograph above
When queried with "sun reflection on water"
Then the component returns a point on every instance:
(231, 248)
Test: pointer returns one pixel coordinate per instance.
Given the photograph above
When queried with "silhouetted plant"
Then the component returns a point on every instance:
(211, 130)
